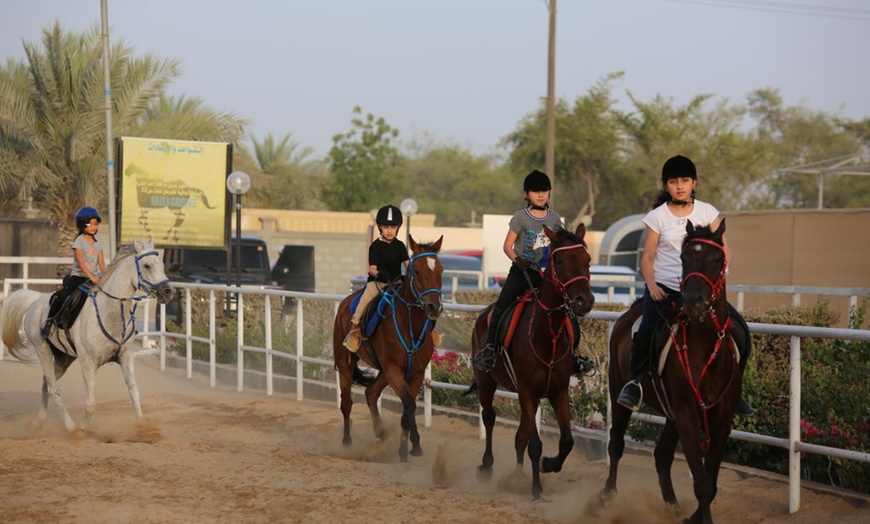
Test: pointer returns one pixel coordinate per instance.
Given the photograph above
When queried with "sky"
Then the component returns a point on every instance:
(468, 71)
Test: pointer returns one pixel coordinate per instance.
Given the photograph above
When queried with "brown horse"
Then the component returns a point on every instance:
(699, 382)
(400, 348)
(537, 361)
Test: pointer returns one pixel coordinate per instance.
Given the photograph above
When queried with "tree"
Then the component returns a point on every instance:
(797, 136)
(52, 121)
(364, 165)
(588, 161)
(455, 184)
(291, 179)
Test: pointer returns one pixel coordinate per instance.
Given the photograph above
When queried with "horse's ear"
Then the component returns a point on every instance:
(721, 229)
(412, 243)
(138, 245)
(690, 227)
(437, 245)
(581, 230)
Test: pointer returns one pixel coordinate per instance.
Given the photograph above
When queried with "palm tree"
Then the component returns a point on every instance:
(291, 178)
(52, 120)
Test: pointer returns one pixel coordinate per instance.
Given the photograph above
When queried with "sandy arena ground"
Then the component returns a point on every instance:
(214, 455)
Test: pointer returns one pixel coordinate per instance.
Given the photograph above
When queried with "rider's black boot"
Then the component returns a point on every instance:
(744, 408)
(484, 359)
(631, 394)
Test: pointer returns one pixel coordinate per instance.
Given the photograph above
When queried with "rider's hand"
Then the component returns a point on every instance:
(523, 264)
(657, 293)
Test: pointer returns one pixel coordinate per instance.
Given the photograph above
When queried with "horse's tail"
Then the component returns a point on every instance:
(11, 316)
(472, 389)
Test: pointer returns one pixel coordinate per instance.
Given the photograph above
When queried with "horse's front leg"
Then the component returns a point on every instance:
(485, 395)
(411, 411)
(562, 409)
(373, 393)
(125, 359)
(664, 455)
(527, 425)
(689, 432)
(621, 416)
(396, 379)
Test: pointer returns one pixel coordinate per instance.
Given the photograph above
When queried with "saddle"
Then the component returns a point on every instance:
(71, 307)
(510, 318)
(374, 311)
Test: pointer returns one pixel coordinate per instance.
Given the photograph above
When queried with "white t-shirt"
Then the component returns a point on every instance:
(672, 231)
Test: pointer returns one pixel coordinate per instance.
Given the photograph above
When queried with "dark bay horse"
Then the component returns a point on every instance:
(537, 361)
(400, 348)
(701, 380)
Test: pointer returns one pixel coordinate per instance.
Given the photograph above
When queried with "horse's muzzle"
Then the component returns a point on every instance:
(164, 293)
(433, 308)
(695, 305)
(581, 305)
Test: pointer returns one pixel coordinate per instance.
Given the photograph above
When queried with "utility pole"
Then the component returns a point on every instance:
(550, 154)
(110, 161)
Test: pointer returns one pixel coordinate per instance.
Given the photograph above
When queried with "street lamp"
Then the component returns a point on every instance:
(238, 183)
(408, 207)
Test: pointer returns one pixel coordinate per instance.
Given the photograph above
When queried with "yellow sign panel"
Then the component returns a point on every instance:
(173, 191)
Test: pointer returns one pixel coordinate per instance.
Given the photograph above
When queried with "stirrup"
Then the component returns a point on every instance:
(484, 360)
(744, 408)
(352, 340)
(631, 395)
(584, 366)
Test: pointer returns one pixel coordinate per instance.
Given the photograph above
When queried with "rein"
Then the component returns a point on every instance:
(556, 334)
(722, 329)
(128, 321)
(415, 342)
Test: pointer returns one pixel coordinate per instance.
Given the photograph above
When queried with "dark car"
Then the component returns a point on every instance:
(466, 270)
(294, 269)
(209, 266)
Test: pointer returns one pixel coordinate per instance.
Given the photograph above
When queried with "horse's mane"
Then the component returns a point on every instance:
(565, 234)
(124, 252)
(705, 232)
(427, 247)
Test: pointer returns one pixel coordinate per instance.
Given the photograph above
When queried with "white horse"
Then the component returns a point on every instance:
(102, 332)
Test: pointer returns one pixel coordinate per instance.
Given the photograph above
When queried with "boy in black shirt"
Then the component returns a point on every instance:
(386, 256)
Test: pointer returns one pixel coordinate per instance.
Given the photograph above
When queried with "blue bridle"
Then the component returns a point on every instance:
(150, 290)
(417, 342)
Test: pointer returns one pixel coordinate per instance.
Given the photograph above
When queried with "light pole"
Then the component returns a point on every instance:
(238, 183)
(408, 207)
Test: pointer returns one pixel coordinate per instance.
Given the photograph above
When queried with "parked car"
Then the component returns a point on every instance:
(614, 283)
(467, 270)
(209, 266)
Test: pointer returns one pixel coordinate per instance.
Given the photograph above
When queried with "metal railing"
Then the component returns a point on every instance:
(793, 443)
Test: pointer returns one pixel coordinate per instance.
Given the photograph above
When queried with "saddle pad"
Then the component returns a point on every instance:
(513, 319)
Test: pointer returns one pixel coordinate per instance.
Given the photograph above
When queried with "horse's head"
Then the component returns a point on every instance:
(704, 267)
(568, 269)
(150, 276)
(424, 276)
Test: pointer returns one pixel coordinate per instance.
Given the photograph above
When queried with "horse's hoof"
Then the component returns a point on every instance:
(536, 497)
(417, 452)
(346, 442)
(605, 496)
(551, 465)
(484, 473)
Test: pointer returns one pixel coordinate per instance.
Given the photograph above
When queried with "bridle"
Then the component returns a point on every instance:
(413, 344)
(128, 318)
(717, 289)
(556, 329)
(717, 286)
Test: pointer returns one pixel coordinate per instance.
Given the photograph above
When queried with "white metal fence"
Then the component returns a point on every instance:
(792, 443)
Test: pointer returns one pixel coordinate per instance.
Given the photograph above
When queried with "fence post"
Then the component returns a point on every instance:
(794, 429)
(300, 391)
(427, 396)
(188, 328)
(212, 345)
(240, 341)
(268, 321)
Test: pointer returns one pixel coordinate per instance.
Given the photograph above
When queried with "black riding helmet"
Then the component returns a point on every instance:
(537, 181)
(389, 215)
(677, 167)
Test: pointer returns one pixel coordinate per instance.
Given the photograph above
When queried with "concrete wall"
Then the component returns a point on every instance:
(28, 237)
